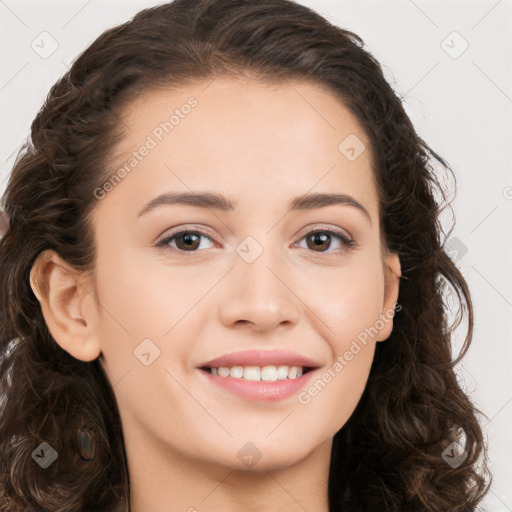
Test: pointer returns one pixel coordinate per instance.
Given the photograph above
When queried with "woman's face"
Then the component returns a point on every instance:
(248, 274)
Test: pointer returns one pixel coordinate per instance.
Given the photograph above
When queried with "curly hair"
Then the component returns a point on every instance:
(388, 455)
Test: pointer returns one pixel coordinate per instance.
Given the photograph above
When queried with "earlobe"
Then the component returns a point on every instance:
(67, 306)
(391, 289)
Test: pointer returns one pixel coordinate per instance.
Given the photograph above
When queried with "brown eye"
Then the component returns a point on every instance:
(321, 240)
(186, 241)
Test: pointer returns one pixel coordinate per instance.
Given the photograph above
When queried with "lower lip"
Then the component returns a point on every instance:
(260, 390)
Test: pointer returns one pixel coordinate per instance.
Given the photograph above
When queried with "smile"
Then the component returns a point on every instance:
(258, 384)
(266, 373)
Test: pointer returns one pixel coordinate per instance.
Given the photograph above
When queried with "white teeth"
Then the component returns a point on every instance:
(282, 372)
(269, 373)
(224, 372)
(236, 371)
(266, 373)
(252, 373)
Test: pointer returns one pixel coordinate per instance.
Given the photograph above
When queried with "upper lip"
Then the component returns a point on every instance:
(261, 358)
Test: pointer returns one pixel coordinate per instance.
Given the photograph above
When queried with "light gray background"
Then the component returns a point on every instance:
(461, 106)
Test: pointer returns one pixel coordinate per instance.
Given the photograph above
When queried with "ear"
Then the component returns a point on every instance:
(392, 274)
(68, 307)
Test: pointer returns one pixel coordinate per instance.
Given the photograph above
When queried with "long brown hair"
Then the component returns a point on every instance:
(389, 454)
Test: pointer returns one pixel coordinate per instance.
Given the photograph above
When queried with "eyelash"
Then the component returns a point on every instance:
(344, 239)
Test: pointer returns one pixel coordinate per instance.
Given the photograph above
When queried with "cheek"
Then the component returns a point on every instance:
(347, 311)
(348, 302)
(347, 305)
(136, 311)
(143, 299)
(144, 296)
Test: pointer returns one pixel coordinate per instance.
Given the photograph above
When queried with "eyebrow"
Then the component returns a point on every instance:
(220, 202)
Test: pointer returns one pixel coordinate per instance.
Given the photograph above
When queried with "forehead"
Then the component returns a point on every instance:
(257, 139)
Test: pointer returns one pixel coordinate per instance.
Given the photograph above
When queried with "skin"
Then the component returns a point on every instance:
(260, 145)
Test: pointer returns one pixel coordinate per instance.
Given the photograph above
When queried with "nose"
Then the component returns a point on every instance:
(259, 295)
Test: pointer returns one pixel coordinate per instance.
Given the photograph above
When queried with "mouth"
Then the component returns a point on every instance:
(259, 375)
(269, 373)
(257, 384)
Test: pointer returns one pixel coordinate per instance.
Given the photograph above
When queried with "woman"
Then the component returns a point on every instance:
(223, 280)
